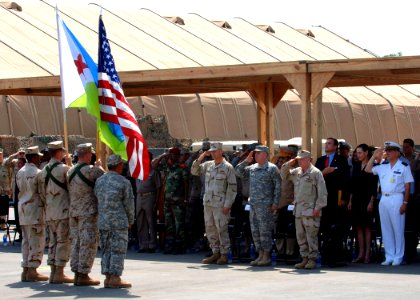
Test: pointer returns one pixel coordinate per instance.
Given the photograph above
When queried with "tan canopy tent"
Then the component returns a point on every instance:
(143, 40)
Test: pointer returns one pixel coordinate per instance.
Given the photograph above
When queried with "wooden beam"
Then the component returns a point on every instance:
(384, 63)
(279, 90)
(319, 81)
(215, 72)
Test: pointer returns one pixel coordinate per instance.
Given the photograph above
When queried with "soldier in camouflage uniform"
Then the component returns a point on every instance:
(147, 195)
(310, 198)
(32, 217)
(116, 215)
(265, 188)
(83, 213)
(12, 163)
(219, 194)
(53, 190)
(5, 181)
(176, 193)
(285, 217)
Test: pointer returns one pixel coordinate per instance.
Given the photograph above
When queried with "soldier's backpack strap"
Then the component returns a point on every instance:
(81, 176)
(51, 176)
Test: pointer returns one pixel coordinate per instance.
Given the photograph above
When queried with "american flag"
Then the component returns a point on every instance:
(115, 109)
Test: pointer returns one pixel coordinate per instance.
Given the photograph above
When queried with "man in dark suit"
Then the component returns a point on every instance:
(335, 217)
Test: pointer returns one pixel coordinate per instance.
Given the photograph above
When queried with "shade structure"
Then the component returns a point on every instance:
(144, 40)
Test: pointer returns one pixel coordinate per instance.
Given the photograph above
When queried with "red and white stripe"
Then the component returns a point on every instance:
(114, 108)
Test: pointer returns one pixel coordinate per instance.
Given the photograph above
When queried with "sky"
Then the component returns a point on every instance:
(380, 26)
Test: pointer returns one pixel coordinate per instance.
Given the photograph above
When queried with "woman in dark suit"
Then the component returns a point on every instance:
(363, 191)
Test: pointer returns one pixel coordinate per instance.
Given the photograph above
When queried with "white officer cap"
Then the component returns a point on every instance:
(392, 146)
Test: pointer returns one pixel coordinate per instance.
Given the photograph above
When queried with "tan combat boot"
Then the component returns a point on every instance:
(265, 260)
(24, 274)
(33, 275)
(260, 256)
(106, 281)
(311, 264)
(115, 282)
(212, 259)
(223, 260)
(302, 264)
(52, 274)
(84, 279)
(59, 276)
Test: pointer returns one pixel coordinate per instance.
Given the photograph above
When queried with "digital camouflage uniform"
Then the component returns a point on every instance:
(265, 188)
(176, 180)
(146, 209)
(310, 193)
(83, 218)
(219, 192)
(32, 216)
(116, 213)
(57, 202)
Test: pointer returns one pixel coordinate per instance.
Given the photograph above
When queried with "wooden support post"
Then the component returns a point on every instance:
(318, 82)
(258, 92)
(317, 127)
(302, 84)
(269, 117)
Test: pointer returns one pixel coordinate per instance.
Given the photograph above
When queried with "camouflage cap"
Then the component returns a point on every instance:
(55, 145)
(303, 154)
(216, 146)
(83, 148)
(261, 148)
(33, 150)
(113, 160)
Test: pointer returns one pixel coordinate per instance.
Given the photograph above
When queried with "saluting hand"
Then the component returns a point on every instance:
(250, 157)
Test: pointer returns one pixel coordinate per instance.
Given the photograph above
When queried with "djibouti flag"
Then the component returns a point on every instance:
(78, 72)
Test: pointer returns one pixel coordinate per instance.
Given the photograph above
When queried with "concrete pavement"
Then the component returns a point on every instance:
(158, 276)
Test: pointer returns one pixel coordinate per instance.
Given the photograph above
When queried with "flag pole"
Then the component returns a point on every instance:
(98, 140)
(66, 142)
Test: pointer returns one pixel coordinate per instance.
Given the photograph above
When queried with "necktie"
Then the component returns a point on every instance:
(327, 161)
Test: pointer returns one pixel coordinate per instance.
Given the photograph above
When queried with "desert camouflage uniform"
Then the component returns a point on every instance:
(32, 216)
(310, 193)
(5, 178)
(83, 219)
(57, 202)
(116, 213)
(265, 188)
(176, 179)
(11, 164)
(219, 192)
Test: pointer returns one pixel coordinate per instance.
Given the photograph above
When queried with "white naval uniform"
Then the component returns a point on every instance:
(392, 182)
